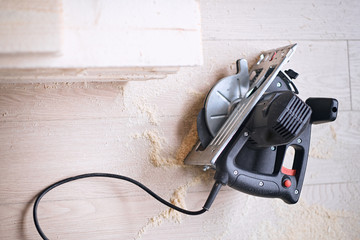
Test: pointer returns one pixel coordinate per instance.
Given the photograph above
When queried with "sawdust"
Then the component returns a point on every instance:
(156, 155)
(333, 132)
(159, 158)
(305, 221)
(150, 110)
(322, 148)
(196, 94)
(187, 144)
(178, 199)
(156, 141)
(320, 151)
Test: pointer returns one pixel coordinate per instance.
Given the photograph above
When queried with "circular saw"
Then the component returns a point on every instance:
(248, 122)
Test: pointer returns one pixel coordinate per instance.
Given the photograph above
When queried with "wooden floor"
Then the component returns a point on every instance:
(52, 131)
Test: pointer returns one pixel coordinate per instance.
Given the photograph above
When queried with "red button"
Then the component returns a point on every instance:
(287, 183)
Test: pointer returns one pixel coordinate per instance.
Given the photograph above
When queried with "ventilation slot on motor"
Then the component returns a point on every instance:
(292, 119)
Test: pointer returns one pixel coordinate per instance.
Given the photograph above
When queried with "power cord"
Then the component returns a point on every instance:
(206, 206)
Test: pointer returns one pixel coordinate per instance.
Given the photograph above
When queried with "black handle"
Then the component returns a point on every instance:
(264, 176)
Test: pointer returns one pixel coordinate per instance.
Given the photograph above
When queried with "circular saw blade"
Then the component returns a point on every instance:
(223, 97)
(219, 103)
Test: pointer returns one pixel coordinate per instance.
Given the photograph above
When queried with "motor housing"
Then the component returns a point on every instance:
(277, 119)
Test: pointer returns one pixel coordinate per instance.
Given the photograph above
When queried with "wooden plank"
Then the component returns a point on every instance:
(110, 40)
(106, 218)
(322, 74)
(269, 20)
(30, 27)
(112, 34)
(354, 60)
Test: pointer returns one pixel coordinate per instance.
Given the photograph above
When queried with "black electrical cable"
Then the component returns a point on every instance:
(206, 207)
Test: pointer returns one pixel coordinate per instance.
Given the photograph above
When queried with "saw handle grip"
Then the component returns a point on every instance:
(282, 183)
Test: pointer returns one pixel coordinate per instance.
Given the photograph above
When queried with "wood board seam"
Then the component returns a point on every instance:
(114, 118)
(349, 73)
(82, 119)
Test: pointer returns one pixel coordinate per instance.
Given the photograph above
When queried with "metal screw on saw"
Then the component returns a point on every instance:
(296, 191)
(261, 184)
(206, 168)
(273, 148)
(299, 140)
(236, 172)
(278, 84)
(246, 134)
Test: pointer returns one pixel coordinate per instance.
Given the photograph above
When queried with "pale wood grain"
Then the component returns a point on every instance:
(38, 150)
(30, 27)
(109, 40)
(354, 59)
(122, 34)
(52, 131)
(308, 19)
(58, 149)
(124, 216)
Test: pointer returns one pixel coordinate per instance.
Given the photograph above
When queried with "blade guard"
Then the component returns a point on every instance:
(262, 75)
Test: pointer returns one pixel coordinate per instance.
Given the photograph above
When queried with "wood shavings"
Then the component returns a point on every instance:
(197, 94)
(157, 157)
(333, 132)
(178, 199)
(150, 110)
(136, 95)
(187, 144)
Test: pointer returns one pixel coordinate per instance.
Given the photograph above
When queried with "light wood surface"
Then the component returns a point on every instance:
(30, 27)
(52, 131)
(95, 40)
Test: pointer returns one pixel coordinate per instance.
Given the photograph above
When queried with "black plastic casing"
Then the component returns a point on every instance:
(324, 109)
(257, 171)
(253, 160)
